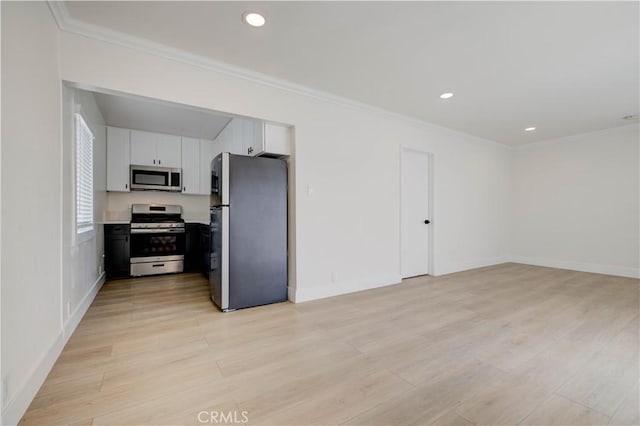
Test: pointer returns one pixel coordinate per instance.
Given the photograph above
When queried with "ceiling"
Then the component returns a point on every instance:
(563, 67)
(157, 116)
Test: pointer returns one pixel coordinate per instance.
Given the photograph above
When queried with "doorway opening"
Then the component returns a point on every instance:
(157, 132)
(416, 212)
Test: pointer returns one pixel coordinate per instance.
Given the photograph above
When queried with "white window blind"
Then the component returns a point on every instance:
(84, 176)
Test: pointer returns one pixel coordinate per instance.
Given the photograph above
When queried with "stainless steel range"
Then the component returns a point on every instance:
(157, 239)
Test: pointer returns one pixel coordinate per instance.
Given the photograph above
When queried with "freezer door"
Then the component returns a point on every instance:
(220, 180)
(257, 231)
(219, 260)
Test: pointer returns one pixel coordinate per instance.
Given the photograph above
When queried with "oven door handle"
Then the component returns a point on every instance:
(157, 231)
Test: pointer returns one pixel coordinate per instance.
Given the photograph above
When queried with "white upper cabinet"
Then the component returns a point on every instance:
(277, 139)
(229, 139)
(270, 139)
(155, 149)
(143, 148)
(253, 143)
(190, 166)
(118, 159)
(223, 140)
(208, 151)
(240, 136)
(168, 150)
(246, 135)
(254, 137)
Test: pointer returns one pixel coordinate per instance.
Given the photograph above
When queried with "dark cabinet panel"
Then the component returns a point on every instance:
(205, 250)
(116, 250)
(192, 255)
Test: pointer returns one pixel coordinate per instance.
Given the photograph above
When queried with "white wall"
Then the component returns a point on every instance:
(347, 234)
(2, 137)
(31, 202)
(346, 186)
(348, 227)
(2, 398)
(82, 258)
(575, 202)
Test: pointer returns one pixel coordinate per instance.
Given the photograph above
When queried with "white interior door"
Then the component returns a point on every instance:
(414, 213)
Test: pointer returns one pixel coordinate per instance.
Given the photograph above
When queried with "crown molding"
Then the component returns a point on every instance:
(60, 13)
(71, 25)
(569, 138)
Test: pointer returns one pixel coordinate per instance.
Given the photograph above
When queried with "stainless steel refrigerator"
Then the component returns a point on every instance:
(248, 239)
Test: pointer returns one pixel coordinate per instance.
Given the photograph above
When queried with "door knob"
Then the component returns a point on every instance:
(427, 221)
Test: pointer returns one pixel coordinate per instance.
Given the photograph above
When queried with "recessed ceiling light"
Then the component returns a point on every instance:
(529, 129)
(254, 19)
(446, 95)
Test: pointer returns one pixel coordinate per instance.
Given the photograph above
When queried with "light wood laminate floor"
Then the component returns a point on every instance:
(509, 344)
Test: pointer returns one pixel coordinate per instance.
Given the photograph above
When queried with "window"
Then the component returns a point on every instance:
(84, 176)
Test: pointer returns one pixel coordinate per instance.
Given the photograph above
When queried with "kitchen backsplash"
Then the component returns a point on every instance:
(195, 208)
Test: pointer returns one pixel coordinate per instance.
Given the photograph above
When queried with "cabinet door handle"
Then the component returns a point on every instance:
(154, 161)
(126, 186)
(184, 188)
(249, 150)
(159, 161)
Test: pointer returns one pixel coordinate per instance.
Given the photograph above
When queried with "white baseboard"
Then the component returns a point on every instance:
(16, 407)
(291, 294)
(83, 306)
(303, 294)
(450, 268)
(621, 271)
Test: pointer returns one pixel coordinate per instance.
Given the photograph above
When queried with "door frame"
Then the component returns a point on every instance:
(430, 209)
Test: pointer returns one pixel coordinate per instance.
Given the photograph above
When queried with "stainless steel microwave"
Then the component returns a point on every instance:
(156, 178)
